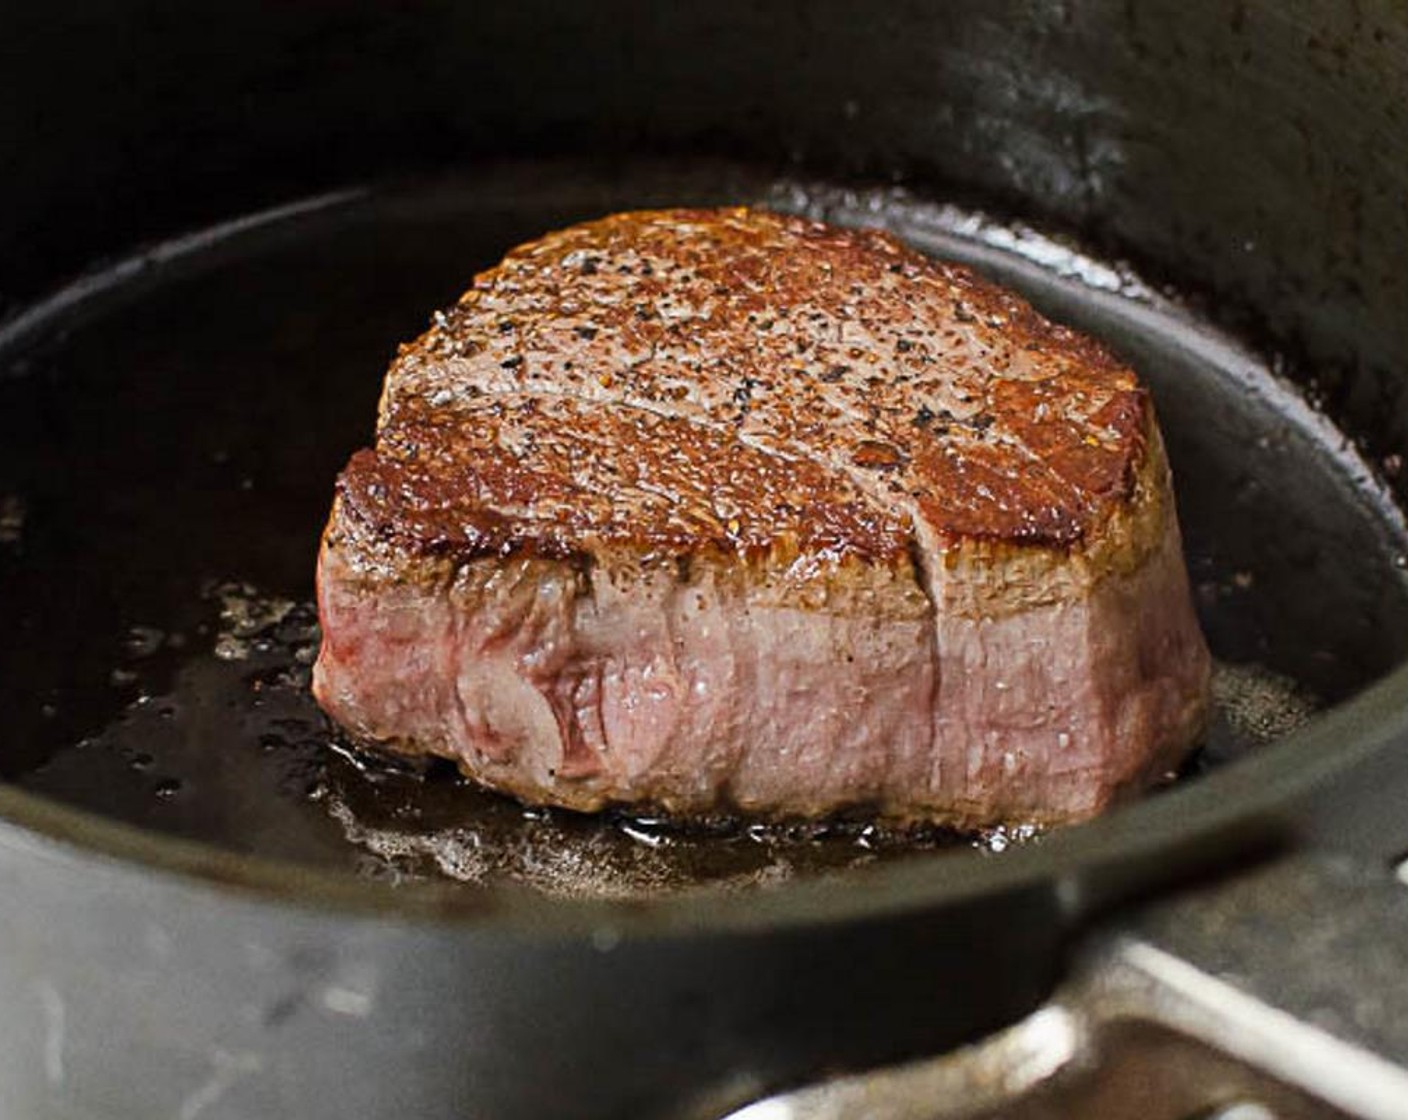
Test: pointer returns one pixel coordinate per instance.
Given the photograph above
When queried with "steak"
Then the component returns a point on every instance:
(716, 511)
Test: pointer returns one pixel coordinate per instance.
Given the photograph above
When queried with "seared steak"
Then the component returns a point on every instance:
(719, 510)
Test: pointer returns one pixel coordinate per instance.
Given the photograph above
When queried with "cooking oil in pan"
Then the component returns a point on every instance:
(169, 435)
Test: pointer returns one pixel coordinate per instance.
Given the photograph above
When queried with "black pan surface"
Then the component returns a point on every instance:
(170, 429)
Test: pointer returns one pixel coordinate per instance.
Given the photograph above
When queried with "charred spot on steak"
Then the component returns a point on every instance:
(615, 573)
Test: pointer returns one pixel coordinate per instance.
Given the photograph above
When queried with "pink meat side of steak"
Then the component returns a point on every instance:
(694, 695)
(708, 693)
(1052, 713)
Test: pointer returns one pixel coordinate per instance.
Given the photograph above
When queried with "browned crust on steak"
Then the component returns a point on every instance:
(737, 378)
(556, 476)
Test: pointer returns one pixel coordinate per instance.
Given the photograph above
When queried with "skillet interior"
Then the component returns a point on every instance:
(170, 439)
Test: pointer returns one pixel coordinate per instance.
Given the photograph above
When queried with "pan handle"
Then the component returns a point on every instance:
(1279, 993)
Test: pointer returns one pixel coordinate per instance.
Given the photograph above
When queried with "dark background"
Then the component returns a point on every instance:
(1156, 129)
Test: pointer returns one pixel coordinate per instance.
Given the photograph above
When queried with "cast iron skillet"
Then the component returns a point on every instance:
(1245, 156)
